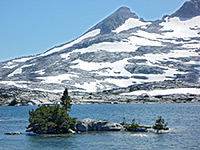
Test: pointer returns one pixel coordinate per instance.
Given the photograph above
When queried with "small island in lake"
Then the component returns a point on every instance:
(54, 119)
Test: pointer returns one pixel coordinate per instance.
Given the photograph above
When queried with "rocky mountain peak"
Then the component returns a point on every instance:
(124, 10)
(188, 10)
(121, 54)
(115, 20)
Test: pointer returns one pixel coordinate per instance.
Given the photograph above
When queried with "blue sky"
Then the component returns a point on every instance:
(29, 27)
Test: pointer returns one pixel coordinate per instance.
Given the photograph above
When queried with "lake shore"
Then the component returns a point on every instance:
(49, 98)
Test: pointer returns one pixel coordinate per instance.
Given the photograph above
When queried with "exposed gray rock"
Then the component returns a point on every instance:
(85, 125)
(16, 96)
(139, 130)
(101, 125)
(144, 69)
(140, 77)
(137, 61)
(107, 126)
(13, 133)
(115, 20)
(104, 56)
(111, 57)
(189, 9)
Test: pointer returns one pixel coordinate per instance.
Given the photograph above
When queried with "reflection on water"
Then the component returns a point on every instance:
(51, 142)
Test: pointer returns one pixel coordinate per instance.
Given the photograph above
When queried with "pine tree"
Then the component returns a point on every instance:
(160, 125)
(66, 101)
(52, 119)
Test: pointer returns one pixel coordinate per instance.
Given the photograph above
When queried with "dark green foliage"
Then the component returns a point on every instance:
(158, 96)
(146, 96)
(133, 126)
(52, 119)
(192, 95)
(66, 101)
(124, 122)
(160, 124)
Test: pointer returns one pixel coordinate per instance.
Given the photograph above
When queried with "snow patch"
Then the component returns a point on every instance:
(143, 41)
(152, 36)
(130, 23)
(166, 57)
(87, 86)
(10, 67)
(19, 70)
(41, 72)
(166, 91)
(50, 91)
(87, 35)
(23, 59)
(107, 46)
(111, 70)
(120, 82)
(15, 83)
(180, 28)
(56, 79)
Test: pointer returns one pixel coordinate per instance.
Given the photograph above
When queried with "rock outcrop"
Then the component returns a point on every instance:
(13, 133)
(188, 10)
(101, 125)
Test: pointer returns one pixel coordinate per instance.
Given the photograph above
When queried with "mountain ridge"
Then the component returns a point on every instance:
(121, 54)
(114, 20)
(189, 9)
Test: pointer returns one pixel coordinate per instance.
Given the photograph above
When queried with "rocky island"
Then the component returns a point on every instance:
(55, 119)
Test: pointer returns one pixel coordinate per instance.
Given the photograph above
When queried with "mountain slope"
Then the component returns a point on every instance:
(115, 20)
(188, 10)
(121, 52)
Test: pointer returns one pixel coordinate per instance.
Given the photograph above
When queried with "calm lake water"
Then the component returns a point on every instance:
(183, 120)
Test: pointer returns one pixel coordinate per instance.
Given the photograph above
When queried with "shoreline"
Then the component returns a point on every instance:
(110, 103)
(20, 97)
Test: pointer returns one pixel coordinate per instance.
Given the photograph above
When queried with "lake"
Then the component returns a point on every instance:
(183, 121)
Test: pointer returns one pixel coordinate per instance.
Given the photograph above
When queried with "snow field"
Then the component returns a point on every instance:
(181, 28)
(87, 35)
(19, 70)
(166, 91)
(56, 79)
(131, 23)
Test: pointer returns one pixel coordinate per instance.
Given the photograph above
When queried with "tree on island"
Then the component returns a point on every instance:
(52, 119)
(66, 101)
(160, 125)
(134, 126)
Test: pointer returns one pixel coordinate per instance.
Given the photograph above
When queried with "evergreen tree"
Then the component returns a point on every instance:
(52, 118)
(66, 101)
(160, 124)
(133, 126)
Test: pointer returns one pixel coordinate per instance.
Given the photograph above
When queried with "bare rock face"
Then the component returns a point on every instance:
(101, 125)
(114, 20)
(85, 125)
(121, 52)
(107, 126)
(188, 10)
(13, 133)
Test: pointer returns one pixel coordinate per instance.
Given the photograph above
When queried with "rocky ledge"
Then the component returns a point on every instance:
(101, 125)
(13, 133)
(10, 96)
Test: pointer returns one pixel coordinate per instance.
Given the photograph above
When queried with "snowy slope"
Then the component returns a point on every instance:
(116, 53)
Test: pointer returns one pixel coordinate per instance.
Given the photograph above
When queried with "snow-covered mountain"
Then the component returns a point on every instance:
(122, 51)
